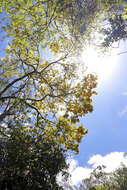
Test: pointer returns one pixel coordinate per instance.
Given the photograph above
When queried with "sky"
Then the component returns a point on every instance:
(106, 140)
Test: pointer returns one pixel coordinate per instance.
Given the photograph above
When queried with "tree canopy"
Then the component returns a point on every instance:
(42, 89)
(44, 94)
(39, 70)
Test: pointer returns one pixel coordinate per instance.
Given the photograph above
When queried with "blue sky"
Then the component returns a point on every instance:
(107, 129)
(107, 124)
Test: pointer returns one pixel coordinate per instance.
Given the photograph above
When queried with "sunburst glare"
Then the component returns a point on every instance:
(102, 65)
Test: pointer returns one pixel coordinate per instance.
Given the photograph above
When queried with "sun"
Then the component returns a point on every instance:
(102, 65)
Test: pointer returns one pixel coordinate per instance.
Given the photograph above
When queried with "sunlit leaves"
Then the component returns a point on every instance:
(41, 87)
(54, 47)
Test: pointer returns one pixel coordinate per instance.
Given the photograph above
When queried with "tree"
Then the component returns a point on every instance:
(28, 163)
(34, 90)
(115, 28)
(119, 179)
(45, 95)
(101, 180)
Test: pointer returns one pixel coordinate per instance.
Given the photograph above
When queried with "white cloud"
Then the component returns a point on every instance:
(123, 112)
(112, 161)
(124, 93)
(77, 172)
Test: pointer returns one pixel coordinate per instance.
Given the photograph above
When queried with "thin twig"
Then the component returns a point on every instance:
(122, 52)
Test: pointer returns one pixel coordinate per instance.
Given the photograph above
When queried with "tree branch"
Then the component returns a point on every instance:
(122, 52)
(14, 81)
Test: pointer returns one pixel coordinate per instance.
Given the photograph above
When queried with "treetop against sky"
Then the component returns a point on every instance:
(34, 90)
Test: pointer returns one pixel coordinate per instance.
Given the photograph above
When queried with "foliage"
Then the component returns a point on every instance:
(28, 163)
(115, 28)
(100, 180)
(40, 86)
(42, 93)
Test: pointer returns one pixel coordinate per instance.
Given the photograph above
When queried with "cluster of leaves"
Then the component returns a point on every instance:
(28, 163)
(115, 28)
(41, 93)
(116, 31)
